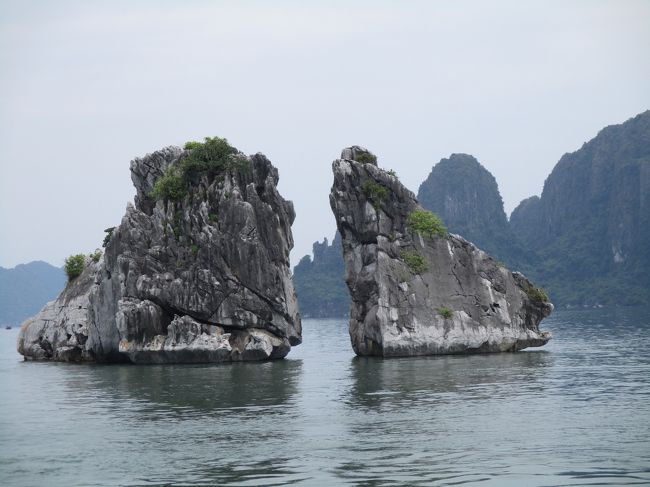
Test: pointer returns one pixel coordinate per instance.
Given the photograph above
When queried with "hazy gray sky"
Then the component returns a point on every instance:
(87, 86)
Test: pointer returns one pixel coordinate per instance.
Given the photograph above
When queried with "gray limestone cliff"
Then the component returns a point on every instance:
(60, 330)
(466, 196)
(417, 292)
(591, 225)
(199, 275)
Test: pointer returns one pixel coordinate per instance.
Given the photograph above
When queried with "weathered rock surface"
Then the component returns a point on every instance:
(60, 330)
(202, 279)
(398, 312)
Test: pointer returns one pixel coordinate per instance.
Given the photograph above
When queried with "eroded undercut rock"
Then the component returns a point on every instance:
(422, 292)
(202, 276)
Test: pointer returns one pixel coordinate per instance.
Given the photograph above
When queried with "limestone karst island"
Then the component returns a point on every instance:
(416, 289)
(324, 244)
(198, 271)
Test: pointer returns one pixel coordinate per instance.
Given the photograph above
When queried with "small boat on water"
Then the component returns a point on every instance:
(7, 327)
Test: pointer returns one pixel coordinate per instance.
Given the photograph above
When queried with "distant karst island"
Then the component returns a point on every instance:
(586, 240)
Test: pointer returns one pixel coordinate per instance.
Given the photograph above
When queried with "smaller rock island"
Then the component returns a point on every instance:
(415, 288)
(197, 271)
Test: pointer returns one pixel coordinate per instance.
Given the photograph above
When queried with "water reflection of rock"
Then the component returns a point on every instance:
(188, 389)
(244, 471)
(411, 420)
(379, 382)
(227, 424)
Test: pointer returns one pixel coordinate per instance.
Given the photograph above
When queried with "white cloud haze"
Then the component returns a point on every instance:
(87, 86)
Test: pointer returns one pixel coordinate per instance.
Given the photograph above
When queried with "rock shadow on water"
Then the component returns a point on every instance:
(397, 382)
(411, 418)
(269, 472)
(153, 392)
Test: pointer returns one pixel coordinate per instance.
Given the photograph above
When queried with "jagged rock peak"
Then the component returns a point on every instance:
(417, 290)
(591, 224)
(197, 270)
(359, 154)
(466, 196)
(145, 171)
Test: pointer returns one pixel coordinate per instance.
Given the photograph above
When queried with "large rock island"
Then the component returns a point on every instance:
(417, 290)
(197, 271)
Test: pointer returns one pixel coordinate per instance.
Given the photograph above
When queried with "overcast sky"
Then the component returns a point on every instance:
(87, 86)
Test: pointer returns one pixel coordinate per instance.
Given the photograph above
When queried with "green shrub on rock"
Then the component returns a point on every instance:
(445, 312)
(170, 186)
(191, 144)
(416, 262)
(74, 266)
(537, 294)
(374, 192)
(366, 158)
(107, 237)
(426, 223)
(210, 158)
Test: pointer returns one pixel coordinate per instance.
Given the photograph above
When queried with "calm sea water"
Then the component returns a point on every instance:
(576, 412)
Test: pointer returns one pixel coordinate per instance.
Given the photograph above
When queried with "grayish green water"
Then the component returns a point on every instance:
(576, 412)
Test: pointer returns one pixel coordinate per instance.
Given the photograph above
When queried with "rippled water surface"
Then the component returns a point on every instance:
(576, 412)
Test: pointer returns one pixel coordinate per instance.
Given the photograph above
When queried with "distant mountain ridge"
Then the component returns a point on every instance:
(591, 226)
(467, 198)
(320, 282)
(586, 239)
(25, 288)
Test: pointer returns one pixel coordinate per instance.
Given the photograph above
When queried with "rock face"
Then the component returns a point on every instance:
(60, 330)
(591, 225)
(466, 196)
(200, 278)
(415, 294)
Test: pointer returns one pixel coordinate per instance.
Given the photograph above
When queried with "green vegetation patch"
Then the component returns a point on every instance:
(74, 266)
(211, 158)
(374, 192)
(366, 158)
(415, 261)
(537, 294)
(170, 186)
(107, 237)
(445, 312)
(96, 255)
(426, 223)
